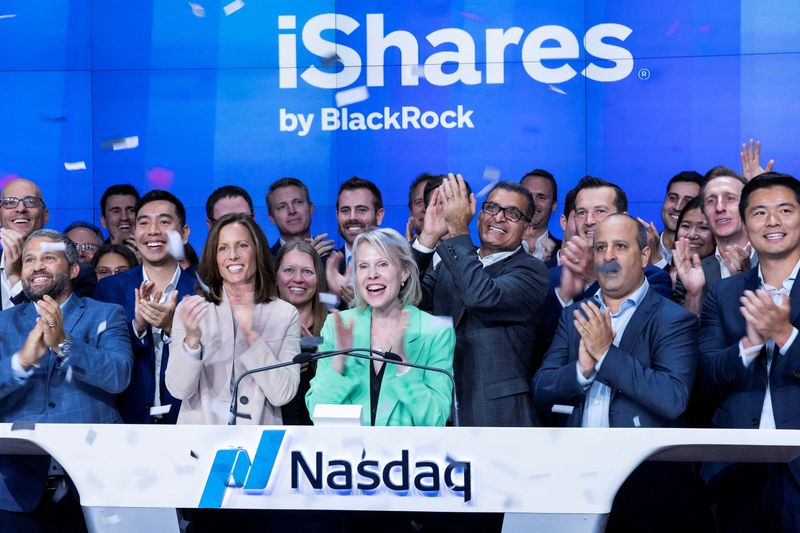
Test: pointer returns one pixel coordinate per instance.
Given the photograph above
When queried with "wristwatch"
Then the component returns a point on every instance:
(63, 348)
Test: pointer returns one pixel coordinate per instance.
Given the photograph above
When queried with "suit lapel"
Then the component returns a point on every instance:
(73, 310)
(794, 303)
(641, 316)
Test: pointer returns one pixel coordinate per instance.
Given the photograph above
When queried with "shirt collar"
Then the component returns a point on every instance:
(172, 283)
(788, 283)
(496, 257)
(36, 305)
(633, 299)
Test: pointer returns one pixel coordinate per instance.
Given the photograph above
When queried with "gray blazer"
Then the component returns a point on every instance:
(495, 313)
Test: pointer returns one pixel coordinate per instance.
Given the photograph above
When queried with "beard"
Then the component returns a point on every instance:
(60, 285)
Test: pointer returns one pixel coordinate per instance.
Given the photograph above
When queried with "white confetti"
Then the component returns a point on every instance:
(491, 173)
(197, 10)
(485, 190)
(8, 16)
(113, 519)
(329, 299)
(200, 281)
(160, 409)
(52, 247)
(101, 327)
(90, 436)
(636, 422)
(68, 375)
(77, 165)
(233, 7)
(442, 321)
(60, 491)
(221, 411)
(175, 245)
(563, 409)
(352, 96)
(557, 89)
(126, 143)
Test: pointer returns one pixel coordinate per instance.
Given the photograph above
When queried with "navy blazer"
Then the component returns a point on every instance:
(135, 402)
(650, 374)
(80, 390)
(495, 313)
(738, 392)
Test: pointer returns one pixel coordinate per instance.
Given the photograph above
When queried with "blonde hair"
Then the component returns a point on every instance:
(391, 244)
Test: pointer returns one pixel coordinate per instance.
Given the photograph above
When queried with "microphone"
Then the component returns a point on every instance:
(302, 357)
(393, 358)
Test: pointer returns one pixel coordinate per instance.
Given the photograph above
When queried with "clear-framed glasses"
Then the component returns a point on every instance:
(88, 247)
(31, 202)
(106, 271)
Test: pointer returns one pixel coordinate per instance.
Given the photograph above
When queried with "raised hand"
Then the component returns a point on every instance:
(751, 161)
(576, 255)
(192, 309)
(434, 226)
(338, 283)
(459, 205)
(34, 347)
(570, 286)
(157, 314)
(322, 244)
(653, 240)
(244, 314)
(594, 329)
(586, 362)
(736, 258)
(688, 267)
(13, 242)
(767, 319)
(53, 332)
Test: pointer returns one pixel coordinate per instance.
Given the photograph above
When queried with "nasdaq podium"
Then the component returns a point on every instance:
(133, 477)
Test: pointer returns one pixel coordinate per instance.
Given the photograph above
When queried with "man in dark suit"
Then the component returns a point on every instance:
(290, 209)
(627, 358)
(228, 199)
(544, 190)
(750, 358)
(681, 188)
(494, 297)
(149, 294)
(62, 359)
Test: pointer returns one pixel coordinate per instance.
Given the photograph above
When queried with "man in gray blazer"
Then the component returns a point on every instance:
(494, 297)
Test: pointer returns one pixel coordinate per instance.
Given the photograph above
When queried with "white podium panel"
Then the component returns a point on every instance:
(545, 476)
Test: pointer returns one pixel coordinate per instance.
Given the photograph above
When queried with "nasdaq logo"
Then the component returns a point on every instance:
(545, 53)
(233, 468)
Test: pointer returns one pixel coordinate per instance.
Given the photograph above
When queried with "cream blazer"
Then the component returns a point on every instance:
(204, 384)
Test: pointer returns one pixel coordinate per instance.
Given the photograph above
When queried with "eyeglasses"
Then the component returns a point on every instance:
(105, 271)
(10, 202)
(511, 213)
(86, 247)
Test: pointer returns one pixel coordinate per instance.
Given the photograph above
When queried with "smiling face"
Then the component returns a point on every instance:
(418, 206)
(592, 206)
(290, 211)
(616, 240)
(678, 195)
(153, 222)
(542, 192)
(46, 272)
(496, 232)
(119, 217)
(109, 264)
(721, 205)
(24, 220)
(695, 227)
(235, 255)
(297, 278)
(378, 279)
(86, 241)
(356, 212)
(772, 220)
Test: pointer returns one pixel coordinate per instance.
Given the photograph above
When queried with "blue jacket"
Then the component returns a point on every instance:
(135, 402)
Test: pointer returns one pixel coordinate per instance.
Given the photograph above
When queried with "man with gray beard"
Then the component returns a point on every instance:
(63, 359)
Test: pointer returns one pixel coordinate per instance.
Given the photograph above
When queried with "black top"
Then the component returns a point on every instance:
(375, 382)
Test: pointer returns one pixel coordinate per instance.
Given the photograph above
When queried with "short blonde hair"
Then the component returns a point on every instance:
(390, 243)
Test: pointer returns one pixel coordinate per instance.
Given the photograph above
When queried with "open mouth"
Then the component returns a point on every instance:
(235, 269)
(21, 221)
(124, 227)
(375, 289)
(776, 236)
(40, 280)
(298, 290)
(722, 221)
(155, 245)
(495, 229)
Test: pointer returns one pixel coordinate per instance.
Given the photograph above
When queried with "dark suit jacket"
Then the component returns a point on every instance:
(712, 272)
(553, 261)
(100, 361)
(651, 372)
(495, 313)
(275, 248)
(135, 402)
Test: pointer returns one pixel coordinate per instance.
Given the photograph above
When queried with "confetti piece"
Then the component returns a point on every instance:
(8, 16)
(485, 190)
(160, 177)
(68, 376)
(491, 173)
(52, 247)
(636, 422)
(563, 409)
(53, 118)
(557, 89)
(329, 299)
(90, 436)
(443, 321)
(200, 282)
(233, 7)
(329, 61)
(77, 165)
(23, 424)
(197, 10)
(352, 96)
(175, 245)
(194, 454)
(113, 519)
(673, 27)
(126, 143)
(61, 491)
(471, 16)
(101, 327)
(160, 409)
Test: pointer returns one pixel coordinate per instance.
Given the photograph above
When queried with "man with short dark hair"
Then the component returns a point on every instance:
(750, 358)
(87, 238)
(290, 208)
(416, 205)
(63, 359)
(681, 188)
(544, 190)
(149, 294)
(22, 211)
(225, 200)
(117, 213)
(494, 296)
(359, 206)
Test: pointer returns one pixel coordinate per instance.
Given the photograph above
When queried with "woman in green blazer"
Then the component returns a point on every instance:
(385, 319)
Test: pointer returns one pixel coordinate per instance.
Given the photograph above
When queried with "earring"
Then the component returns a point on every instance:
(402, 283)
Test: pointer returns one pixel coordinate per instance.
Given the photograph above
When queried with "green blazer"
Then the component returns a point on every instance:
(416, 398)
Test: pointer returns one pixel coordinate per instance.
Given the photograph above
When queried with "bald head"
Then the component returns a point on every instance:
(29, 214)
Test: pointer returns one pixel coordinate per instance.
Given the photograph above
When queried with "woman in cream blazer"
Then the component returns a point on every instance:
(236, 325)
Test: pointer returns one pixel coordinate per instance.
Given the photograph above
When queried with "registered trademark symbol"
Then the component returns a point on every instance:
(644, 74)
